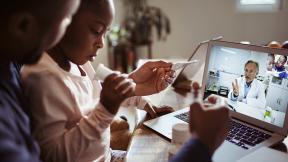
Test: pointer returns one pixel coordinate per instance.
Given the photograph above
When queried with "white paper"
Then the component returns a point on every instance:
(180, 65)
(102, 72)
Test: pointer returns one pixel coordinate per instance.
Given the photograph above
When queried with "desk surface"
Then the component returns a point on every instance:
(276, 118)
(148, 146)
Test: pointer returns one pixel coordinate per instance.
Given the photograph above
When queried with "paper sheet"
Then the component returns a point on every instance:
(180, 65)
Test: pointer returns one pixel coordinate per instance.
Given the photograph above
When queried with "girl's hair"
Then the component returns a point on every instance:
(285, 44)
(91, 4)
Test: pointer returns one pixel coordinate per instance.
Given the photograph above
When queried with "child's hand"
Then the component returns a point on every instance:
(154, 111)
(116, 88)
(152, 77)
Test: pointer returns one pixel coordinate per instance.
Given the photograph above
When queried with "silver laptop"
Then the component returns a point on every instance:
(192, 72)
(253, 126)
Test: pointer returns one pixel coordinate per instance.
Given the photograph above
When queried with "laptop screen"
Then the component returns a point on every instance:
(254, 83)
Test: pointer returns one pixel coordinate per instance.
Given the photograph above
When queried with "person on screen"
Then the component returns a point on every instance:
(285, 45)
(270, 62)
(271, 57)
(247, 89)
(279, 65)
(284, 73)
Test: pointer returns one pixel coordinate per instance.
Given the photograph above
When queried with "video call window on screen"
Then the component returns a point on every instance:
(259, 91)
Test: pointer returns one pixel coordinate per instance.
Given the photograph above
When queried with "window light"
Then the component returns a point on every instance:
(258, 5)
(258, 2)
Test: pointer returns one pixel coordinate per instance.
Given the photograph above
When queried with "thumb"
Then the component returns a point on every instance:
(194, 113)
(150, 110)
(159, 64)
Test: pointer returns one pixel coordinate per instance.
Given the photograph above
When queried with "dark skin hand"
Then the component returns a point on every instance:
(154, 111)
(115, 89)
(152, 77)
(209, 123)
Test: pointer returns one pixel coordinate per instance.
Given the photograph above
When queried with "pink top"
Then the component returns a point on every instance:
(67, 118)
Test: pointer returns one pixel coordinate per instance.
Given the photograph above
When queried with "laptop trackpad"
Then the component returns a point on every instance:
(228, 152)
(265, 154)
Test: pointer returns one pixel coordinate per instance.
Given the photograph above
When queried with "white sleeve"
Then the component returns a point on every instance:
(51, 107)
(231, 96)
(138, 101)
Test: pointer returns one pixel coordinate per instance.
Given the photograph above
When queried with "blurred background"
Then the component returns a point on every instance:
(168, 29)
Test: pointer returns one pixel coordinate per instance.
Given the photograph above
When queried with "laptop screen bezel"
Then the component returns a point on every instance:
(273, 128)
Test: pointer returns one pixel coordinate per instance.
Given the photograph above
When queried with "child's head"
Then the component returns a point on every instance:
(271, 58)
(270, 61)
(285, 44)
(274, 44)
(85, 36)
(28, 27)
(281, 61)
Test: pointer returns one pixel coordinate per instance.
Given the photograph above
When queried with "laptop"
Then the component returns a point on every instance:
(253, 126)
(192, 72)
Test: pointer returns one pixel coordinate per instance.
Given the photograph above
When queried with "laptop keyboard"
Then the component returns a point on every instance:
(239, 134)
(183, 116)
(245, 136)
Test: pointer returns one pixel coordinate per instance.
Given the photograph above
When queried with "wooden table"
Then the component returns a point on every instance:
(148, 146)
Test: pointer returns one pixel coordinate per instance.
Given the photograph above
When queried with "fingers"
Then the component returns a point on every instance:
(161, 83)
(121, 84)
(158, 64)
(163, 110)
(150, 110)
(195, 91)
(236, 83)
(195, 111)
(233, 86)
(154, 111)
(195, 86)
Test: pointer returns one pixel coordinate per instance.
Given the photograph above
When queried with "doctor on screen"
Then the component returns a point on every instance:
(247, 89)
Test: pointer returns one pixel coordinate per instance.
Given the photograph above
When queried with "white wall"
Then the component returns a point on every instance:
(197, 20)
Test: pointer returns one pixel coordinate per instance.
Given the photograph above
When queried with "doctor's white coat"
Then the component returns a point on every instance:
(256, 95)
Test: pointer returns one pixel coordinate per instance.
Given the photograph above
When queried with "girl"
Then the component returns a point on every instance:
(71, 113)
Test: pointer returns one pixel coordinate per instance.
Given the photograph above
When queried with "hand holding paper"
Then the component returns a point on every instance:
(182, 64)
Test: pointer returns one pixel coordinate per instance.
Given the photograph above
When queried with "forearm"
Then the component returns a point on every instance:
(194, 151)
(85, 141)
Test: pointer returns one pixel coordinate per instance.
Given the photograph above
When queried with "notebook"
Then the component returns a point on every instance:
(255, 124)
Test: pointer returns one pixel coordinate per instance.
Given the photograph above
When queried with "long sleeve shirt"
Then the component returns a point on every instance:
(246, 90)
(192, 151)
(252, 95)
(68, 120)
(16, 141)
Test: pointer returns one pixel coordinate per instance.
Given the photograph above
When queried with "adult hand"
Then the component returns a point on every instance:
(209, 124)
(154, 111)
(235, 88)
(152, 77)
(116, 88)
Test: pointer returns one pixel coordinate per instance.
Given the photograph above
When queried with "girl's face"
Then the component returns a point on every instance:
(86, 34)
(281, 61)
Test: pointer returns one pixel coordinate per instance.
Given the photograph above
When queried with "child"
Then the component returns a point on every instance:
(270, 62)
(27, 29)
(68, 120)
